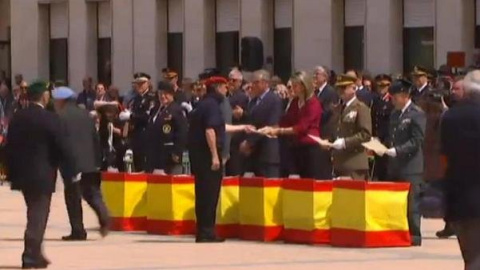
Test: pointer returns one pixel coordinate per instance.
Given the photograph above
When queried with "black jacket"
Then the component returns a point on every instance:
(167, 134)
(460, 140)
(36, 144)
(328, 98)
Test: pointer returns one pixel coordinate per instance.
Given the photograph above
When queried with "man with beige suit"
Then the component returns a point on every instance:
(354, 128)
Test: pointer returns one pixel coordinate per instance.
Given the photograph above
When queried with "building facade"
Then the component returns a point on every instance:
(109, 40)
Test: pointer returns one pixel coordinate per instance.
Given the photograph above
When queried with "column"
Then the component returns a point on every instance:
(455, 29)
(26, 38)
(318, 34)
(256, 20)
(122, 44)
(199, 36)
(82, 42)
(144, 37)
(383, 36)
(161, 37)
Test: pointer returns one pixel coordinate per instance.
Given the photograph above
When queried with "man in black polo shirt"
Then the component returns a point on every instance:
(206, 137)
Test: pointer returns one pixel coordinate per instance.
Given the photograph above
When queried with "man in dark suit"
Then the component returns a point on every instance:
(363, 93)
(36, 146)
(407, 132)
(83, 140)
(328, 98)
(460, 133)
(265, 109)
(238, 101)
(382, 108)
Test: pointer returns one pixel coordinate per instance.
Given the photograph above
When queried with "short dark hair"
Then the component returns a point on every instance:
(35, 97)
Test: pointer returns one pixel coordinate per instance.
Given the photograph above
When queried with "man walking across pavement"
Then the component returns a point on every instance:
(83, 140)
(406, 136)
(36, 146)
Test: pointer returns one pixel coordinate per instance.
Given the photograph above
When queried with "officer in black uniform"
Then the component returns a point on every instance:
(167, 133)
(381, 109)
(141, 108)
(422, 88)
(206, 137)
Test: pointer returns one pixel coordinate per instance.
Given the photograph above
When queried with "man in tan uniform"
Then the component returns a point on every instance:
(354, 128)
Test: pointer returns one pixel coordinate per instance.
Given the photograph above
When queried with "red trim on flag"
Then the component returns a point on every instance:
(306, 237)
(123, 177)
(228, 230)
(378, 186)
(169, 179)
(128, 224)
(308, 185)
(261, 233)
(260, 182)
(231, 181)
(170, 227)
(354, 238)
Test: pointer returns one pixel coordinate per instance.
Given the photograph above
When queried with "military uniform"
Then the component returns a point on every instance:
(354, 127)
(381, 110)
(167, 133)
(407, 130)
(141, 108)
(420, 95)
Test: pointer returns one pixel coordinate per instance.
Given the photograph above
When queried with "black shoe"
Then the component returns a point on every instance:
(209, 240)
(39, 265)
(75, 237)
(416, 243)
(445, 233)
(104, 230)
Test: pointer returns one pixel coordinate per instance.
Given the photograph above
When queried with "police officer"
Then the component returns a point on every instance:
(381, 109)
(407, 131)
(167, 133)
(354, 128)
(206, 137)
(139, 114)
(422, 87)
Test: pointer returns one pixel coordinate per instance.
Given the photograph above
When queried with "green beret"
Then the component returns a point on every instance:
(37, 87)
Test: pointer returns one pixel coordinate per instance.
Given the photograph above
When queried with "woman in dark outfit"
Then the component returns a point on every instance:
(303, 119)
(206, 136)
(167, 133)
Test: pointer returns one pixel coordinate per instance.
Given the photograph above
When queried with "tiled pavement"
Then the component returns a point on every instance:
(132, 251)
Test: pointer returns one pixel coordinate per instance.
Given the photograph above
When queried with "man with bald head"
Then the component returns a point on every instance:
(265, 109)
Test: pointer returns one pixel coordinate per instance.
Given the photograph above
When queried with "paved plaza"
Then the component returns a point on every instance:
(132, 251)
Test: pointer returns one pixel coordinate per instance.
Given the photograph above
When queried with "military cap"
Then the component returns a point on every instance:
(215, 80)
(420, 71)
(345, 80)
(400, 86)
(141, 77)
(383, 80)
(37, 87)
(170, 75)
(166, 87)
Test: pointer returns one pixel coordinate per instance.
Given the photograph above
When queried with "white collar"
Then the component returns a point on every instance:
(350, 101)
(407, 105)
(423, 87)
(39, 104)
(359, 87)
(322, 87)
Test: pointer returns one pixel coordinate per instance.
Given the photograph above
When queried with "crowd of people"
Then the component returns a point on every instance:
(312, 126)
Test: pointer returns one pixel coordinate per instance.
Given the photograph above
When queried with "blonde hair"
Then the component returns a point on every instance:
(306, 80)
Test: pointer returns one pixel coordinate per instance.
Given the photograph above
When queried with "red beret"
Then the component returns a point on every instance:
(215, 80)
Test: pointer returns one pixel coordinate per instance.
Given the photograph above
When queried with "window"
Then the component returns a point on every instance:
(418, 33)
(353, 45)
(104, 42)
(282, 39)
(59, 42)
(477, 24)
(227, 36)
(175, 36)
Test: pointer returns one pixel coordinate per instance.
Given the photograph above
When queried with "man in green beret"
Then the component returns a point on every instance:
(35, 147)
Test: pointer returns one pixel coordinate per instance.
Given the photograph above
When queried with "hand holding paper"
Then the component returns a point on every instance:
(321, 142)
(376, 146)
